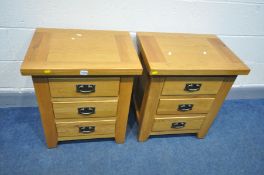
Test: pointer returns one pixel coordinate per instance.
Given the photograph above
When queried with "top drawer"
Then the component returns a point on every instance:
(84, 87)
(191, 85)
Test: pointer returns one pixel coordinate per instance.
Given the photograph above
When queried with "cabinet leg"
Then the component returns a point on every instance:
(200, 136)
(142, 137)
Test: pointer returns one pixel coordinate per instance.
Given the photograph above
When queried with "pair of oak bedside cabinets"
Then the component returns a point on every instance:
(84, 81)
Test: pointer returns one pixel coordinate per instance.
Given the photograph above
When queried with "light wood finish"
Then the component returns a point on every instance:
(84, 137)
(77, 99)
(68, 51)
(188, 54)
(42, 92)
(136, 108)
(176, 85)
(141, 84)
(66, 87)
(65, 58)
(103, 127)
(191, 131)
(186, 96)
(126, 84)
(226, 86)
(69, 109)
(178, 59)
(164, 124)
(170, 106)
(149, 106)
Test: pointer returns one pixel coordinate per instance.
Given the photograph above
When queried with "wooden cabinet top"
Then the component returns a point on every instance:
(188, 54)
(81, 52)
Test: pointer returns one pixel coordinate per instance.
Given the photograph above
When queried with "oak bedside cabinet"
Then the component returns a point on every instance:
(185, 80)
(83, 82)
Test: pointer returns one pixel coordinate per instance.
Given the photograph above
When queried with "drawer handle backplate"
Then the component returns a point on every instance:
(85, 88)
(86, 129)
(192, 87)
(185, 107)
(86, 110)
(178, 125)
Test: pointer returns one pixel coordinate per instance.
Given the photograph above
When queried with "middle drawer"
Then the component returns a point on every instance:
(184, 105)
(84, 108)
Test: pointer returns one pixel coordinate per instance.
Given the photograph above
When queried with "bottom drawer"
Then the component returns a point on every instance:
(178, 124)
(85, 129)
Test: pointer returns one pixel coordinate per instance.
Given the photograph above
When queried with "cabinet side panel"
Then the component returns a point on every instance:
(220, 97)
(42, 91)
(125, 90)
(149, 107)
(141, 84)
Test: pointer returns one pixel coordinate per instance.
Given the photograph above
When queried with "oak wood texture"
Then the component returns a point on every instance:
(176, 85)
(190, 131)
(177, 60)
(126, 85)
(68, 108)
(70, 128)
(164, 124)
(149, 106)
(222, 93)
(66, 87)
(84, 137)
(69, 51)
(42, 92)
(170, 106)
(188, 54)
(61, 59)
(216, 101)
(136, 108)
(141, 84)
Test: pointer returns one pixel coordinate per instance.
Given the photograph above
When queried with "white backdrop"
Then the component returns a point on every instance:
(239, 23)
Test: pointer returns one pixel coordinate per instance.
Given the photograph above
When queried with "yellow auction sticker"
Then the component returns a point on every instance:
(47, 71)
(154, 72)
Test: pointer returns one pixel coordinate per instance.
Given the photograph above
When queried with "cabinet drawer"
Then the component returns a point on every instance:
(191, 85)
(177, 123)
(85, 129)
(84, 87)
(89, 108)
(184, 105)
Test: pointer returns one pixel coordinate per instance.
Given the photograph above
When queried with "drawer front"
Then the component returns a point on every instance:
(84, 87)
(177, 123)
(191, 85)
(90, 108)
(184, 105)
(85, 128)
